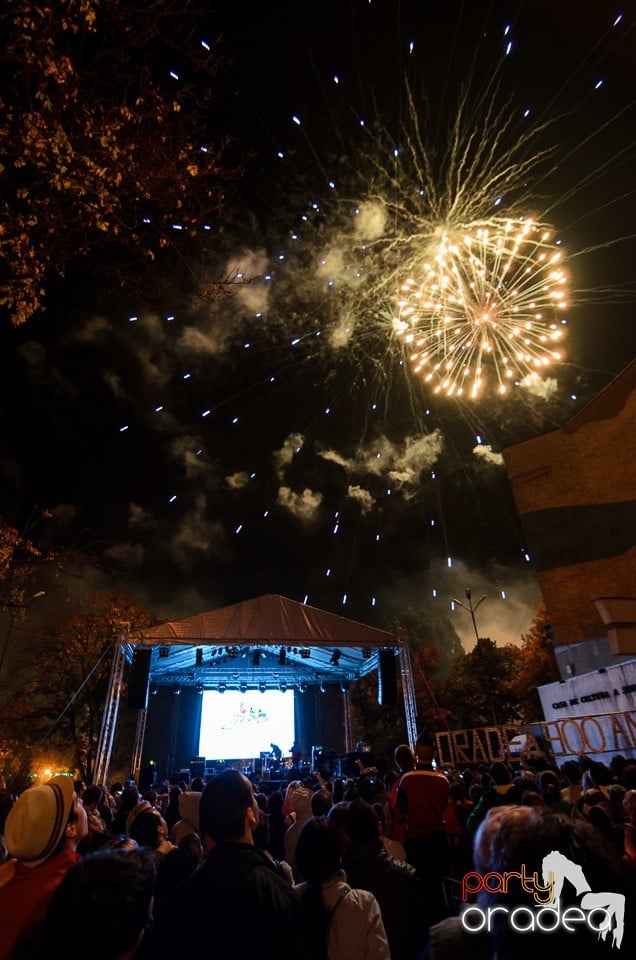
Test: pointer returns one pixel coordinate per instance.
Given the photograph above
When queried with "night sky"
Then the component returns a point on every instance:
(212, 452)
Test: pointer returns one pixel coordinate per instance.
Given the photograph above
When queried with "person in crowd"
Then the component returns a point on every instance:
(337, 816)
(128, 801)
(475, 793)
(262, 843)
(162, 791)
(616, 809)
(598, 776)
(421, 805)
(278, 823)
(172, 813)
(197, 785)
(4, 853)
(351, 790)
(602, 821)
(152, 797)
(189, 816)
(457, 813)
(320, 802)
(617, 766)
(395, 884)
(571, 774)
(549, 787)
(404, 760)
(192, 845)
(629, 829)
(6, 802)
(141, 807)
(235, 892)
(500, 790)
(532, 797)
(41, 832)
(298, 800)
(337, 793)
(393, 848)
(343, 922)
(150, 831)
(106, 807)
(92, 799)
(104, 901)
(593, 797)
(116, 790)
(629, 775)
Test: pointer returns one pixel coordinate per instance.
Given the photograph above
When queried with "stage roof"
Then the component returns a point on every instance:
(270, 640)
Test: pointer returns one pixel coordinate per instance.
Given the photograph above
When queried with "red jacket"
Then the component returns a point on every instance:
(25, 895)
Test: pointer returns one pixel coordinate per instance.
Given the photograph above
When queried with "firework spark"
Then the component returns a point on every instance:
(486, 304)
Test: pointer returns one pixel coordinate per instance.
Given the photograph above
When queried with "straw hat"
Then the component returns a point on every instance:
(36, 822)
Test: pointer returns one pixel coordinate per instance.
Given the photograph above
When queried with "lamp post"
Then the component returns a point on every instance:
(471, 610)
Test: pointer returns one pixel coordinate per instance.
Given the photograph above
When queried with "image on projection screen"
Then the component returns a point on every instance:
(237, 725)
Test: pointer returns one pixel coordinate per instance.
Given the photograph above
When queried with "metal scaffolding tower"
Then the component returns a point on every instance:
(408, 691)
(346, 712)
(135, 770)
(111, 712)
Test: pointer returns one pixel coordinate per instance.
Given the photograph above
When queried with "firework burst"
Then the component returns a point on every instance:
(431, 256)
(485, 304)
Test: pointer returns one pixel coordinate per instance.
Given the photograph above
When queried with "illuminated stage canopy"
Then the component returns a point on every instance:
(270, 640)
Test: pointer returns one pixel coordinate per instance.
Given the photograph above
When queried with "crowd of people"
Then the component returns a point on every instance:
(333, 868)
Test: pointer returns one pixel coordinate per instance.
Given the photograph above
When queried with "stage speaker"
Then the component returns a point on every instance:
(197, 767)
(387, 679)
(138, 679)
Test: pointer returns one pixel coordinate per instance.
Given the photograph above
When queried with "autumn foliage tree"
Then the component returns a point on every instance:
(480, 690)
(19, 559)
(106, 149)
(537, 665)
(59, 704)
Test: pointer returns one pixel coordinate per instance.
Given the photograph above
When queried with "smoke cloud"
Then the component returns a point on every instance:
(486, 452)
(303, 505)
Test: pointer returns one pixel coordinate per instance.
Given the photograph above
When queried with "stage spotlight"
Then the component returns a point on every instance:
(366, 652)
(256, 658)
(305, 653)
(164, 651)
(176, 691)
(243, 687)
(302, 688)
(344, 686)
(262, 687)
(199, 688)
(282, 657)
(322, 688)
(232, 652)
(199, 657)
(153, 690)
(283, 687)
(222, 688)
(335, 657)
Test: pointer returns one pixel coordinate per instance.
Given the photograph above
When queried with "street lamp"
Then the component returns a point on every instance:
(472, 609)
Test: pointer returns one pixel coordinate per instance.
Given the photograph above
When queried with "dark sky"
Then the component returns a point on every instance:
(217, 452)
